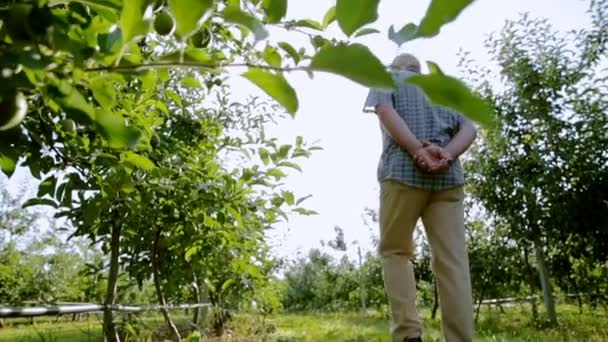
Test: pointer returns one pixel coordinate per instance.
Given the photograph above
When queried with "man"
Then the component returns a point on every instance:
(420, 177)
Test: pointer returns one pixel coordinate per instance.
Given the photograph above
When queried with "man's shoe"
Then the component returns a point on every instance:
(412, 339)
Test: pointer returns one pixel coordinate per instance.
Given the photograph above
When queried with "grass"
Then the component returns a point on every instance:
(50, 331)
(513, 325)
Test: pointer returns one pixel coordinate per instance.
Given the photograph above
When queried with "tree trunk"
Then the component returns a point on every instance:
(361, 282)
(110, 332)
(532, 292)
(479, 303)
(545, 282)
(436, 300)
(200, 314)
(159, 291)
(196, 313)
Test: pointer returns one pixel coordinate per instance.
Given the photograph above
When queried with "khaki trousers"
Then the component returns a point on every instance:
(443, 218)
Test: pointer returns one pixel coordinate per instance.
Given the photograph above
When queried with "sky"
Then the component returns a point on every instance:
(342, 177)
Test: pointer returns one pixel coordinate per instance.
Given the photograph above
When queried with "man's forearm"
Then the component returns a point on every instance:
(462, 140)
(398, 129)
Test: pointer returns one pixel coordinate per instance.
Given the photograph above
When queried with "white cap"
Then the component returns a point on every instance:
(406, 61)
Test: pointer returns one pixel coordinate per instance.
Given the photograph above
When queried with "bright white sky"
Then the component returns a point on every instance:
(342, 178)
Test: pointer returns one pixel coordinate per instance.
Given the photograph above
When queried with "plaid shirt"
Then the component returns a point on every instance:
(433, 123)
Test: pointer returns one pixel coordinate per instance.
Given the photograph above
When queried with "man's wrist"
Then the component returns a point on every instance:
(451, 152)
(415, 147)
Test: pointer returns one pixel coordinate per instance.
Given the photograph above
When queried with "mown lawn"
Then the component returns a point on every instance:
(513, 325)
(50, 332)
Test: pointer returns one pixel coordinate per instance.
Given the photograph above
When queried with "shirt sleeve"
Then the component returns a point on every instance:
(459, 119)
(377, 97)
(456, 119)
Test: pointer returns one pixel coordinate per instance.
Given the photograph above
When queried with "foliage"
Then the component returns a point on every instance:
(498, 268)
(318, 283)
(119, 109)
(321, 282)
(70, 58)
(545, 160)
(39, 265)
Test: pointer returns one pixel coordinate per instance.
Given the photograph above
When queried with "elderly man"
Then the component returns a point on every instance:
(420, 177)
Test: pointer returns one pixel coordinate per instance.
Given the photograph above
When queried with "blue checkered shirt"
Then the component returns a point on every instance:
(433, 123)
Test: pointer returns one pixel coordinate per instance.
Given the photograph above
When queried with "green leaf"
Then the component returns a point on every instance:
(318, 41)
(148, 83)
(210, 285)
(103, 92)
(191, 251)
(330, 17)
(276, 86)
(264, 155)
(353, 14)
(355, 62)
(275, 10)
(137, 160)
(272, 57)
(108, 42)
(236, 215)
(47, 187)
(291, 51)
(291, 165)
(190, 55)
(300, 200)
(276, 173)
(407, 33)
(191, 82)
(439, 13)
(309, 23)
(366, 31)
(227, 284)
(91, 211)
(283, 152)
(115, 130)
(173, 96)
(59, 194)
(277, 201)
(67, 196)
(164, 75)
(434, 68)
(200, 56)
(135, 18)
(305, 212)
(451, 92)
(72, 102)
(8, 160)
(189, 15)
(236, 16)
(289, 197)
(39, 201)
(97, 4)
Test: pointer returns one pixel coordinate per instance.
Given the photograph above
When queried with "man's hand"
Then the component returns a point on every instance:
(432, 158)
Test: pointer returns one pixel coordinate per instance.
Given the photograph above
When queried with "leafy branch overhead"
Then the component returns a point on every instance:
(73, 56)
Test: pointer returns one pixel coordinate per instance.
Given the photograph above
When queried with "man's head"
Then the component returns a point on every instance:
(406, 61)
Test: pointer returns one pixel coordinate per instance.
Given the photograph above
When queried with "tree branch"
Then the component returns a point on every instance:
(140, 67)
(288, 26)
